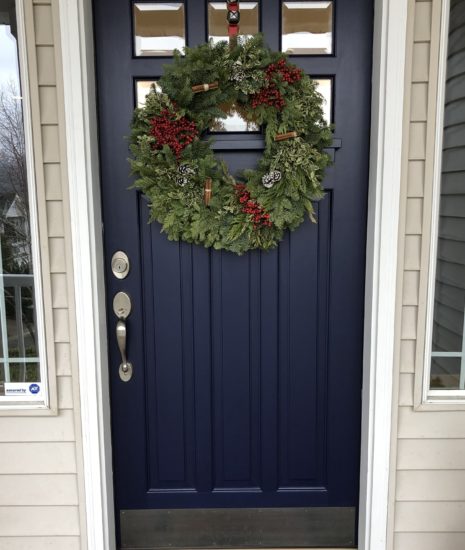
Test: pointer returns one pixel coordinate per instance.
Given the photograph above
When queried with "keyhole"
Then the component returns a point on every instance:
(120, 265)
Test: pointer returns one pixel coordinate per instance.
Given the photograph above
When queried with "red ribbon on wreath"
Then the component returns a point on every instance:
(233, 18)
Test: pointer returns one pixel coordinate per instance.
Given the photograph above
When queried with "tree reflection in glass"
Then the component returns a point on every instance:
(18, 349)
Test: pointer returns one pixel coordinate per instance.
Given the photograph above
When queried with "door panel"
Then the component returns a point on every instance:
(239, 355)
(247, 370)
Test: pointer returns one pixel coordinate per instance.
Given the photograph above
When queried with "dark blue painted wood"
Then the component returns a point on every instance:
(247, 380)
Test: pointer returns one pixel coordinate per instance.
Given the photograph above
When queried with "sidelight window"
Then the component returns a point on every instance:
(22, 374)
(446, 344)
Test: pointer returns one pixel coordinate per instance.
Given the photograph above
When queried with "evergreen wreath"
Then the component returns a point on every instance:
(190, 193)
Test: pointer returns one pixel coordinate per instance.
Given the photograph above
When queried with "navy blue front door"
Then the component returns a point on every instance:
(246, 390)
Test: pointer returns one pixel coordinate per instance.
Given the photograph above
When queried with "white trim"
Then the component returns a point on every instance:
(82, 150)
(389, 52)
(434, 396)
(44, 403)
(382, 254)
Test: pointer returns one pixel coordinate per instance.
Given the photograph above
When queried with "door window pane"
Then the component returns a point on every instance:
(234, 122)
(159, 28)
(448, 330)
(218, 26)
(445, 373)
(20, 375)
(307, 28)
(325, 87)
(143, 87)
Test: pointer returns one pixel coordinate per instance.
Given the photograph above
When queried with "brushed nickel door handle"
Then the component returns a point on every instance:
(125, 368)
(122, 308)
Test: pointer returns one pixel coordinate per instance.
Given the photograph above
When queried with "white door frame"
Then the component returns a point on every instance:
(389, 51)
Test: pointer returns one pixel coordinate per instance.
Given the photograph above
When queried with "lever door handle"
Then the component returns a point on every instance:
(122, 308)
(125, 369)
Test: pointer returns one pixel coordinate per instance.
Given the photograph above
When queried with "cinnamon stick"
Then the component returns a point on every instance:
(286, 135)
(207, 192)
(205, 87)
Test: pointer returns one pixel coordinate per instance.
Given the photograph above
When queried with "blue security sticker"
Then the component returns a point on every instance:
(34, 388)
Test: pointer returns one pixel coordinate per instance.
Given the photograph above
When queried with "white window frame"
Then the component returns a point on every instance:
(9, 403)
(429, 396)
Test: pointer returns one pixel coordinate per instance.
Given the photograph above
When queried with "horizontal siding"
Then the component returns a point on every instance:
(65, 393)
(40, 543)
(40, 490)
(430, 517)
(430, 454)
(430, 485)
(420, 64)
(43, 26)
(422, 23)
(431, 424)
(410, 290)
(63, 358)
(429, 488)
(412, 252)
(40, 483)
(430, 541)
(406, 390)
(416, 168)
(38, 428)
(38, 458)
(407, 356)
(21, 521)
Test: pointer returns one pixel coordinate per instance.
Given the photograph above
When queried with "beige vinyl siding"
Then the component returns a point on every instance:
(40, 543)
(41, 489)
(428, 458)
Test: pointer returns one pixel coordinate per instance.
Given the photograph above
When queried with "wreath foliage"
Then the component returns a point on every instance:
(173, 160)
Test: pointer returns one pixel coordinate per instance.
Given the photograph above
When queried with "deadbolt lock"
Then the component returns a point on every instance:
(120, 264)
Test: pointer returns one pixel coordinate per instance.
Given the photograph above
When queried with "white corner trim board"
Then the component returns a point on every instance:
(389, 51)
(385, 176)
(82, 161)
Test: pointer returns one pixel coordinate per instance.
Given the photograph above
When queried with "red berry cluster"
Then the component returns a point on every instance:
(177, 133)
(259, 216)
(275, 73)
(284, 72)
(270, 96)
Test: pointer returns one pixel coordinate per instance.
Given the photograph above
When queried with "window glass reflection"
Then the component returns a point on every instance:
(325, 87)
(445, 373)
(144, 87)
(217, 25)
(448, 330)
(307, 28)
(234, 122)
(18, 335)
(159, 29)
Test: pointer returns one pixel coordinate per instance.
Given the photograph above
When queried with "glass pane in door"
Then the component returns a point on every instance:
(159, 28)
